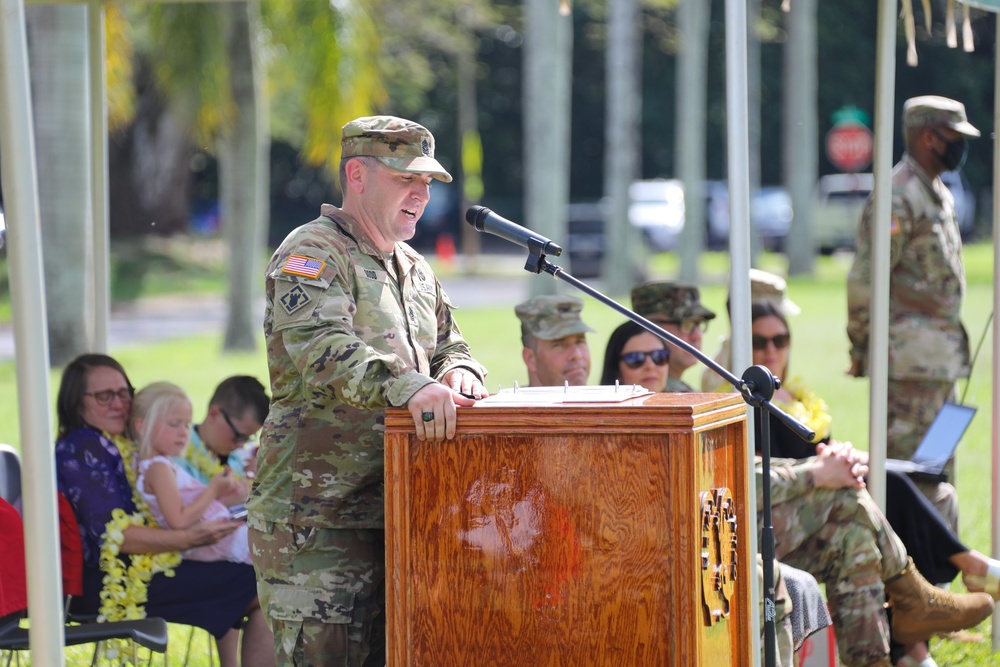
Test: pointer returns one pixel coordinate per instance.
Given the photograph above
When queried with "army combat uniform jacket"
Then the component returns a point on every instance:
(926, 286)
(350, 330)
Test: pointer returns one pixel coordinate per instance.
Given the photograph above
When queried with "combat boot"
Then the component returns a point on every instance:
(920, 609)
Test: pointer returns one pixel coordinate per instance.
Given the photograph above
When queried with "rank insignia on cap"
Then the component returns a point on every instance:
(307, 267)
(294, 299)
(894, 226)
(425, 147)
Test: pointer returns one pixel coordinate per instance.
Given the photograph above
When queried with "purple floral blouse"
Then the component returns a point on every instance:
(91, 474)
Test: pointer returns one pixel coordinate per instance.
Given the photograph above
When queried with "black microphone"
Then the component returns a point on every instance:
(485, 220)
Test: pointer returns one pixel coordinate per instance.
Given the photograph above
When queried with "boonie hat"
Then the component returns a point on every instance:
(934, 110)
(765, 286)
(669, 300)
(398, 143)
(551, 317)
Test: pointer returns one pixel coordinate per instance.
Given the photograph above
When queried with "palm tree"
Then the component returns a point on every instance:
(57, 40)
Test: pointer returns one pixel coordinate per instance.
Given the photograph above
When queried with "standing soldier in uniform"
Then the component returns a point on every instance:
(928, 346)
(677, 308)
(355, 321)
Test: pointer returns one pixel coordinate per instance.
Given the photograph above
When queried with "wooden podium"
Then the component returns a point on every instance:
(571, 534)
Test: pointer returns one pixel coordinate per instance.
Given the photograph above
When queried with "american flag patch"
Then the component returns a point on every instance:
(307, 267)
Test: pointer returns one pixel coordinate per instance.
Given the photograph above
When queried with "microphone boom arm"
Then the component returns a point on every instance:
(756, 386)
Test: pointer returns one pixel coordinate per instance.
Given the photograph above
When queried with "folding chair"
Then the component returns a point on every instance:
(150, 632)
(10, 476)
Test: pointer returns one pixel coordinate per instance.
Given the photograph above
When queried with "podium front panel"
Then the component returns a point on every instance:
(567, 535)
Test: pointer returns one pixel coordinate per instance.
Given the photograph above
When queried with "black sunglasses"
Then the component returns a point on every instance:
(636, 359)
(237, 436)
(780, 341)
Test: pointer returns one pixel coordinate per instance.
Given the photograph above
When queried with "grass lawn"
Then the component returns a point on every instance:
(820, 357)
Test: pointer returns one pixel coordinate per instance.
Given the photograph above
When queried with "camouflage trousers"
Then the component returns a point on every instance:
(843, 539)
(912, 405)
(323, 593)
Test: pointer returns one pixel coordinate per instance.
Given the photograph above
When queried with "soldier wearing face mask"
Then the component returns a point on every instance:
(928, 346)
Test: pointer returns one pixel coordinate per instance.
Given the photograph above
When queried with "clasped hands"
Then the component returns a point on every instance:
(839, 465)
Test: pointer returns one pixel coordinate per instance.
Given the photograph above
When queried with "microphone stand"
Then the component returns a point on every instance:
(756, 386)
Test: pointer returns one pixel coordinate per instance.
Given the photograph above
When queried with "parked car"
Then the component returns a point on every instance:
(3, 230)
(770, 214)
(585, 241)
(657, 208)
(840, 201)
(441, 216)
(965, 200)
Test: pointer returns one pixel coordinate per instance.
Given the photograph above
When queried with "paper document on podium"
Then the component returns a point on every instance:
(599, 394)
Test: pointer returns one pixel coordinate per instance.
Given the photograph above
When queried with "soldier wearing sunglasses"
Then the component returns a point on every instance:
(677, 308)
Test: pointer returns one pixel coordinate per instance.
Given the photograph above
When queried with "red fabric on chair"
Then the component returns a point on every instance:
(71, 549)
(13, 577)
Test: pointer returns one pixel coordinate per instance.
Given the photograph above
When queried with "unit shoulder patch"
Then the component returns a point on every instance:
(294, 299)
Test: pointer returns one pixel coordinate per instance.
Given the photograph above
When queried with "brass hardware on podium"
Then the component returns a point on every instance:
(718, 553)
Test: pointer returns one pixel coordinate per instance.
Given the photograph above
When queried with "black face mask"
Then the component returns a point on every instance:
(955, 153)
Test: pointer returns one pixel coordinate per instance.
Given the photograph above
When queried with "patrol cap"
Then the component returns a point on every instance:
(398, 143)
(669, 300)
(551, 317)
(935, 111)
(766, 286)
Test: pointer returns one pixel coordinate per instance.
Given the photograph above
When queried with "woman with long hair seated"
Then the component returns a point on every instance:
(132, 565)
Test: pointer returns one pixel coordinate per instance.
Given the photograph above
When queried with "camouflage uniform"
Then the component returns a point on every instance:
(928, 346)
(668, 302)
(840, 537)
(677, 386)
(764, 286)
(350, 330)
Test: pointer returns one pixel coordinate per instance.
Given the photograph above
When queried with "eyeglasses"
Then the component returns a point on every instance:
(105, 396)
(687, 327)
(780, 341)
(237, 436)
(636, 359)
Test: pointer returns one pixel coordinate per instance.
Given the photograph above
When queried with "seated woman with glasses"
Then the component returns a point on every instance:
(936, 551)
(132, 565)
(635, 356)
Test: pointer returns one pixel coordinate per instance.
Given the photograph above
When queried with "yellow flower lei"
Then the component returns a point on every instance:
(807, 407)
(125, 587)
(205, 462)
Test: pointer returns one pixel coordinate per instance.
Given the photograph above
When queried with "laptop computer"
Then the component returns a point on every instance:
(938, 444)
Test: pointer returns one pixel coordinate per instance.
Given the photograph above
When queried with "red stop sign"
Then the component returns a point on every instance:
(849, 147)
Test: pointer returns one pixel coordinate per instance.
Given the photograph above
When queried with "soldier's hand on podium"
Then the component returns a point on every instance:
(433, 411)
